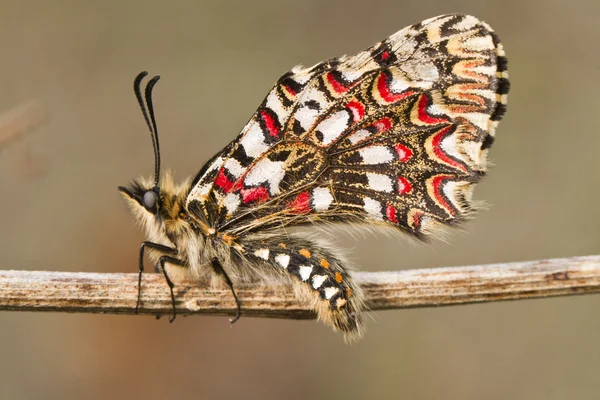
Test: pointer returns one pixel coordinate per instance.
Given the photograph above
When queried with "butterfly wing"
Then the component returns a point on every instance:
(395, 135)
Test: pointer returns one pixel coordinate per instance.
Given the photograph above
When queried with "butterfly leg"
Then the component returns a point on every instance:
(220, 271)
(171, 260)
(143, 247)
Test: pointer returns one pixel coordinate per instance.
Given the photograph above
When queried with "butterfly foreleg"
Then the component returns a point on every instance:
(143, 247)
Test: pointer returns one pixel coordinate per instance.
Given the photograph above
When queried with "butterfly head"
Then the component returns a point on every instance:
(142, 197)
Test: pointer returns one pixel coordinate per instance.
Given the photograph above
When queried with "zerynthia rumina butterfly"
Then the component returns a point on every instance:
(394, 137)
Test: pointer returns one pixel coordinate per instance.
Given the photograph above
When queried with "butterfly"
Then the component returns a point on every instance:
(394, 137)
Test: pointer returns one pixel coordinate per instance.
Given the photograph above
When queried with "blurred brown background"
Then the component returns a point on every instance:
(217, 61)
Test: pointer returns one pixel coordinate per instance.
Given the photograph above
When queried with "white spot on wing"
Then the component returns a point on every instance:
(305, 271)
(231, 202)
(332, 127)
(312, 93)
(422, 73)
(373, 208)
(479, 119)
(262, 253)
(399, 85)
(376, 155)
(478, 43)
(485, 70)
(466, 23)
(301, 76)
(318, 280)
(200, 190)
(352, 74)
(322, 199)
(306, 116)
(254, 141)
(379, 182)
(283, 260)
(330, 292)
(359, 136)
(449, 146)
(274, 103)
(234, 167)
(266, 171)
(450, 188)
(435, 109)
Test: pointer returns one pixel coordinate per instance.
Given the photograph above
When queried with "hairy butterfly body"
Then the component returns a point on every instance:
(395, 137)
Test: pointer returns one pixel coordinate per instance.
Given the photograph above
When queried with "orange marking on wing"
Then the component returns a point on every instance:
(282, 245)
(468, 69)
(473, 98)
(304, 252)
(349, 292)
(324, 263)
(338, 277)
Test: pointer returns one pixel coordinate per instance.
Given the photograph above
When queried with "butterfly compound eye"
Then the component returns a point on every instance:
(150, 201)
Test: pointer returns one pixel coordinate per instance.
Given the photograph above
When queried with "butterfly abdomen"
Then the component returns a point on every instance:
(319, 277)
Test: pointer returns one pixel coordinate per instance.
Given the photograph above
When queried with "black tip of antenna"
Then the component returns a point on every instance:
(138, 80)
(148, 94)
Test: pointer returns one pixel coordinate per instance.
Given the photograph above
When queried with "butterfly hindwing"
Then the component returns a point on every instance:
(395, 135)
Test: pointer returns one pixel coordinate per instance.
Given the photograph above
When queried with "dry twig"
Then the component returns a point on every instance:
(116, 293)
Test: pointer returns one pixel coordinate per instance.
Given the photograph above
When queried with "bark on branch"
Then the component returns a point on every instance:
(117, 293)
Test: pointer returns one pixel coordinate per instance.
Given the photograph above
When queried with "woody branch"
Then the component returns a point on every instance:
(117, 293)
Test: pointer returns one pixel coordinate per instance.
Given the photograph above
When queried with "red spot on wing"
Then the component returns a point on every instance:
(335, 84)
(440, 153)
(223, 182)
(383, 125)
(385, 92)
(290, 90)
(300, 204)
(270, 123)
(424, 116)
(391, 214)
(404, 153)
(416, 219)
(258, 194)
(237, 185)
(385, 55)
(357, 109)
(404, 185)
(437, 183)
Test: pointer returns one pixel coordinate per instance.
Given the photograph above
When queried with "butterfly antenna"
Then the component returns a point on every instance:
(138, 95)
(148, 112)
(154, 129)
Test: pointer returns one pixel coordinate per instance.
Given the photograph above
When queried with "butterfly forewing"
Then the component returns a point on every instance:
(395, 135)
